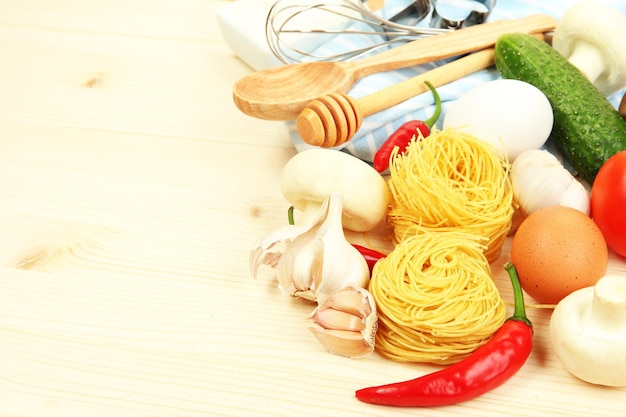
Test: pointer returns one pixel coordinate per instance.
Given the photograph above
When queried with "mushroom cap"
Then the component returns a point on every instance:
(584, 341)
(311, 175)
(605, 28)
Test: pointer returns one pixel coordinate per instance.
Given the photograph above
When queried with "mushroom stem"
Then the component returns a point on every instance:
(608, 308)
(594, 32)
(588, 58)
(311, 211)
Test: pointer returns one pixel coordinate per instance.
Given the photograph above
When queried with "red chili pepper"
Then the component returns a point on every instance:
(488, 367)
(371, 256)
(403, 135)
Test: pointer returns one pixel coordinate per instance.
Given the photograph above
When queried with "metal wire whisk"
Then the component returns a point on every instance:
(294, 33)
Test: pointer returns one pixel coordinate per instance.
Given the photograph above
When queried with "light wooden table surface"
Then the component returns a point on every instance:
(131, 192)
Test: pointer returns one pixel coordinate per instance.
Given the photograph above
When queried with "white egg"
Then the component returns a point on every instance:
(513, 116)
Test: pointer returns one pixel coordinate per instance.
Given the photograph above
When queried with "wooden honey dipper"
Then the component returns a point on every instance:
(332, 119)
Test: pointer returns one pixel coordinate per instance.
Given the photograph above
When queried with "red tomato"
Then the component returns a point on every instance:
(608, 202)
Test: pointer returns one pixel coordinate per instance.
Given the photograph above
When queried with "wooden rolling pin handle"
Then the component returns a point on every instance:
(414, 86)
(439, 76)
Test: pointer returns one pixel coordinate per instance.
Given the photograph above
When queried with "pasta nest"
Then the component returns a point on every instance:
(436, 298)
(451, 180)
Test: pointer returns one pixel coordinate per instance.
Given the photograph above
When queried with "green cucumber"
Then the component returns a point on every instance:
(587, 130)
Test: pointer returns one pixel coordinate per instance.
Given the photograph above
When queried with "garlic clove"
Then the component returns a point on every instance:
(329, 318)
(343, 264)
(268, 249)
(350, 301)
(315, 260)
(343, 342)
(349, 331)
(300, 268)
(576, 196)
(540, 180)
(320, 260)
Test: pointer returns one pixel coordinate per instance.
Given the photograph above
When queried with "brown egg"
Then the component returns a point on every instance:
(556, 251)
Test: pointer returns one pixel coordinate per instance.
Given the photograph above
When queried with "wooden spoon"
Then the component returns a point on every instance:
(281, 93)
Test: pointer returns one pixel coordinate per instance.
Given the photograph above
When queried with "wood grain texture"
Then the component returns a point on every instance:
(131, 191)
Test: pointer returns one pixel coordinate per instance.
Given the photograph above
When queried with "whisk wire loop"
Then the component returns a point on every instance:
(287, 20)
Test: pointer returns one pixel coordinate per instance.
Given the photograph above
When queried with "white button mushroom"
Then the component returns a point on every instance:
(591, 36)
(588, 332)
(312, 175)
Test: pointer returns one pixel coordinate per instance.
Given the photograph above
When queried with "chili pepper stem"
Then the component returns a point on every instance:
(519, 312)
(433, 119)
(399, 140)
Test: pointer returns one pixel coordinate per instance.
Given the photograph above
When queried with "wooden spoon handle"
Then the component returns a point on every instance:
(447, 45)
(444, 74)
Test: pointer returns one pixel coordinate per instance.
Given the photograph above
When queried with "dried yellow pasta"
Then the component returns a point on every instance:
(448, 181)
(436, 298)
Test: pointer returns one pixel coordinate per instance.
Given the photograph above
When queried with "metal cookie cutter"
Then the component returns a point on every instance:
(418, 10)
(455, 14)
(447, 14)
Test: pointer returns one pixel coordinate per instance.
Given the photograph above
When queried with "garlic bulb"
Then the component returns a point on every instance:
(317, 259)
(346, 322)
(539, 180)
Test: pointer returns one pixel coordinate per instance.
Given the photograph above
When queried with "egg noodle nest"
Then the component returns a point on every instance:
(436, 299)
(451, 181)
(451, 209)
